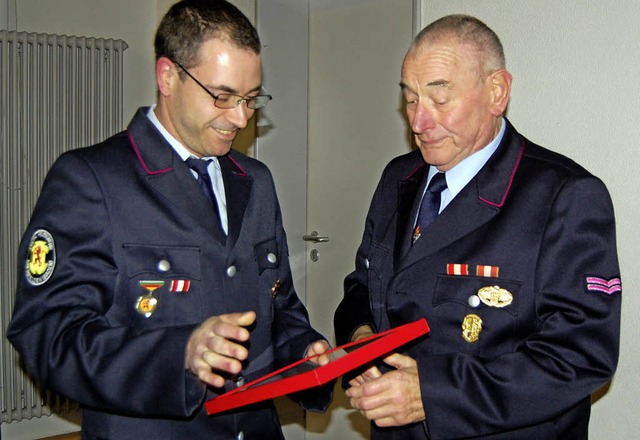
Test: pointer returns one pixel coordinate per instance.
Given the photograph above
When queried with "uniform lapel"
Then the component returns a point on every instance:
(168, 175)
(408, 190)
(237, 188)
(476, 204)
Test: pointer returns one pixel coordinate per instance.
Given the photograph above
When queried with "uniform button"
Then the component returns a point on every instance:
(239, 381)
(164, 266)
(366, 263)
(474, 301)
(231, 271)
(271, 258)
(240, 435)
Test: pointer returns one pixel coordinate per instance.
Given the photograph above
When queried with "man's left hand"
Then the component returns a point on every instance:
(392, 399)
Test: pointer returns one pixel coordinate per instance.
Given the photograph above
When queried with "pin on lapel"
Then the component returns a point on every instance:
(276, 288)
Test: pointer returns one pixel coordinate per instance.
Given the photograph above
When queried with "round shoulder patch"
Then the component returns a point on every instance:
(41, 259)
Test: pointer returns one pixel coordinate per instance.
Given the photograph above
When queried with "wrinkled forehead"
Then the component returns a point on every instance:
(441, 61)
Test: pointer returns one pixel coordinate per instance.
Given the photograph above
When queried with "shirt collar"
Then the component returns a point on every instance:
(175, 144)
(462, 173)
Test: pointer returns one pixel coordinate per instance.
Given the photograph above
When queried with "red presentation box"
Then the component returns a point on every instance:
(305, 374)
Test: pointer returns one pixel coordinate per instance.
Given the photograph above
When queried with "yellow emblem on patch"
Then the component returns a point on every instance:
(41, 259)
(38, 260)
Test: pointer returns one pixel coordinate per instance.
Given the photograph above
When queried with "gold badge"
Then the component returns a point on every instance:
(41, 260)
(146, 304)
(471, 327)
(495, 296)
(276, 288)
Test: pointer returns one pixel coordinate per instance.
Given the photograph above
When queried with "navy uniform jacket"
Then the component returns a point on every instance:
(117, 218)
(541, 228)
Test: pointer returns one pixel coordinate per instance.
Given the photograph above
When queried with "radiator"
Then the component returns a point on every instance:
(57, 92)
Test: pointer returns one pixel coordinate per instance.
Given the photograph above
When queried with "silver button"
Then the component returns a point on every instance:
(231, 271)
(271, 258)
(240, 436)
(366, 263)
(239, 381)
(164, 266)
(474, 301)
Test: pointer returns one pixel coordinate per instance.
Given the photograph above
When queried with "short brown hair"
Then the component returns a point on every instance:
(189, 23)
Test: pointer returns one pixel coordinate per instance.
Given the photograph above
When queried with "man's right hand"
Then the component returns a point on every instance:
(215, 346)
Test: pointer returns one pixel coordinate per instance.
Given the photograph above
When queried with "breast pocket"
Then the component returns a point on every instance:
(267, 255)
(162, 284)
(475, 315)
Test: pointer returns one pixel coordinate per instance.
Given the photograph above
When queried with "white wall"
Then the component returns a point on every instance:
(576, 69)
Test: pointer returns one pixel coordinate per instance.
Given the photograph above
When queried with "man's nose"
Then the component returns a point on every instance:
(240, 115)
(422, 119)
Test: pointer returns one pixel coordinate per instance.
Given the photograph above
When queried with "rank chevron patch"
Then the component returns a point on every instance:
(597, 284)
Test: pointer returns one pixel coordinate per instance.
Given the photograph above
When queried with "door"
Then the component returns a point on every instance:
(333, 67)
(356, 126)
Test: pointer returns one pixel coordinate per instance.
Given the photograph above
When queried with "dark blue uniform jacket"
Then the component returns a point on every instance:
(541, 228)
(113, 220)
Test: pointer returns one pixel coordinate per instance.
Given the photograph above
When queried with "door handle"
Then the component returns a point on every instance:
(314, 238)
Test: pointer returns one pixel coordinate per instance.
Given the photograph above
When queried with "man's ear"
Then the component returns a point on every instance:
(500, 83)
(166, 76)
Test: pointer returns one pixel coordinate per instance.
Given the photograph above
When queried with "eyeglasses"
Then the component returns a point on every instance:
(229, 100)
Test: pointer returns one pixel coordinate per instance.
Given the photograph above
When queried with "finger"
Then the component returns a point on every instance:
(227, 348)
(369, 375)
(245, 318)
(393, 400)
(372, 373)
(203, 371)
(375, 407)
(316, 352)
(398, 361)
(231, 326)
(217, 334)
(222, 363)
(357, 381)
(317, 348)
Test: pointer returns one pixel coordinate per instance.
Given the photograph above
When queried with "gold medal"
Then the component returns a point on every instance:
(146, 304)
(471, 327)
(495, 296)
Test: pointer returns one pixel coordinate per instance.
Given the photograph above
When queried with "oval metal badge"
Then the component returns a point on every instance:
(471, 327)
(41, 259)
(495, 296)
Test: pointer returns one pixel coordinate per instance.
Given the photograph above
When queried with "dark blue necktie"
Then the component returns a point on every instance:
(430, 204)
(204, 180)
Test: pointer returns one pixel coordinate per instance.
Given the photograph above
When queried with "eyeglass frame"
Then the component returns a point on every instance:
(241, 99)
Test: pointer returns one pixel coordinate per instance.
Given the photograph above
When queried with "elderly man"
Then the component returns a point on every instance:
(508, 250)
